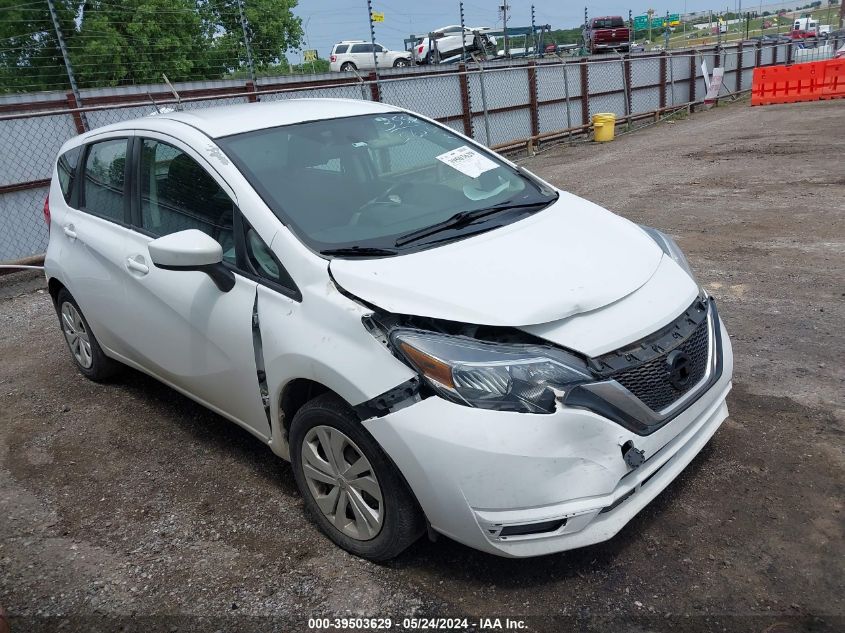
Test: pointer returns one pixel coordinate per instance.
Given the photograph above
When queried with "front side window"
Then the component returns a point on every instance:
(104, 179)
(369, 181)
(177, 194)
(66, 168)
(362, 48)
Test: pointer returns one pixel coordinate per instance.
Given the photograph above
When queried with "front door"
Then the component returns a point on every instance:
(178, 324)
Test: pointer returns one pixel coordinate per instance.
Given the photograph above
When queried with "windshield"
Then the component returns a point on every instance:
(366, 181)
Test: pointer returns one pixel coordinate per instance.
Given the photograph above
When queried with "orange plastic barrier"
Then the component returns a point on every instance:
(800, 82)
(834, 79)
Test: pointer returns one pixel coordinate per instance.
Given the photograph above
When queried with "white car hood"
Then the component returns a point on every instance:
(569, 258)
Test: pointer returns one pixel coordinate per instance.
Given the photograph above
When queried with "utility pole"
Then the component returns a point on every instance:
(504, 9)
(373, 42)
(650, 14)
(71, 78)
(666, 32)
(246, 44)
(630, 26)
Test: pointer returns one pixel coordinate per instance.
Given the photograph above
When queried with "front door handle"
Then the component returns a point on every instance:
(69, 231)
(137, 263)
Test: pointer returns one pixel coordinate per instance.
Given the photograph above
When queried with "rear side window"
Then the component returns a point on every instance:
(362, 48)
(105, 176)
(177, 193)
(66, 168)
(341, 48)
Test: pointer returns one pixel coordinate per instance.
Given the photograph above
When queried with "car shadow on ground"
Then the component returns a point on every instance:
(208, 429)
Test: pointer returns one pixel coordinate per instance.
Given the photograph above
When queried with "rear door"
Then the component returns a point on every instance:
(178, 325)
(362, 56)
(94, 227)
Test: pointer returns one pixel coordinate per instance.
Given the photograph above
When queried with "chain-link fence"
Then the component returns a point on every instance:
(505, 105)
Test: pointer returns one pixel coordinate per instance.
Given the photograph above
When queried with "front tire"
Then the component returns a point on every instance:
(84, 349)
(401, 63)
(351, 488)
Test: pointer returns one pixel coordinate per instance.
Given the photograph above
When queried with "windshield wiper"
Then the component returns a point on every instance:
(359, 251)
(464, 218)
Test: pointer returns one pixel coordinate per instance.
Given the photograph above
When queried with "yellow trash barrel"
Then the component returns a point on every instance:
(604, 125)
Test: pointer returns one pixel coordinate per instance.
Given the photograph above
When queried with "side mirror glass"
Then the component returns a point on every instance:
(192, 250)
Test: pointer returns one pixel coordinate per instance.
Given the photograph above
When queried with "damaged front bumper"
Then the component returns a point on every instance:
(517, 484)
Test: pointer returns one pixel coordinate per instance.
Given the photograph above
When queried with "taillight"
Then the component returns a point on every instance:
(47, 212)
(420, 50)
(333, 58)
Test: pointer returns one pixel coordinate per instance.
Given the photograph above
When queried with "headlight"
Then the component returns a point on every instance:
(504, 377)
(668, 245)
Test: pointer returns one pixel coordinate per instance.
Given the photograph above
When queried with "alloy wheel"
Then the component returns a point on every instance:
(76, 335)
(342, 482)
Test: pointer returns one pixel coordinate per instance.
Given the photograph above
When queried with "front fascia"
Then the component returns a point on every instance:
(462, 461)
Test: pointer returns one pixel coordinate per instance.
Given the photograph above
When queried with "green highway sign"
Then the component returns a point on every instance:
(641, 22)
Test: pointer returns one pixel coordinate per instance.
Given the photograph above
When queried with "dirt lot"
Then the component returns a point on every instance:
(126, 505)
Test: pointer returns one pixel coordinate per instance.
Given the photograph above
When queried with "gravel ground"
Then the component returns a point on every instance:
(128, 507)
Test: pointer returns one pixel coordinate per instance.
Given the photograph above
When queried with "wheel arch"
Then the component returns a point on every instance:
(54, 287)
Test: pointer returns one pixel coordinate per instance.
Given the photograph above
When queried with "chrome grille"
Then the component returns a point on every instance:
(650, 381)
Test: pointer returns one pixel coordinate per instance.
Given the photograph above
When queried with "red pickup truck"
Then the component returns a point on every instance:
(607, 33)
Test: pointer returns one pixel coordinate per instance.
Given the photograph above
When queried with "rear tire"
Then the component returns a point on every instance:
(364, 504)
(85, 351)
(347, 67)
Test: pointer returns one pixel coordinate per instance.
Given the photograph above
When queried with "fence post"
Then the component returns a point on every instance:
(249, 63)
(566, 94)
(375, 89)
(77, 119)
(758, 60)
(629, 93)
(739, 61)
(484, 102)
(466, 104)
(789, 52)
(585, 98)
(377, 92)
(663, 80)
(251, 97)
(68, 67)
(532, 98)
(692, 73)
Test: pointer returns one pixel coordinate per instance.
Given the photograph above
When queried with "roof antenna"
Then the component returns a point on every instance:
(158, 110)
(173, 90)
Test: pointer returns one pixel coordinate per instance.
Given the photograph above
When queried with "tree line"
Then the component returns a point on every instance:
(120, 42)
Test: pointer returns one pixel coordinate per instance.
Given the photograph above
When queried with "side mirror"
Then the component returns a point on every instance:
(192, 250)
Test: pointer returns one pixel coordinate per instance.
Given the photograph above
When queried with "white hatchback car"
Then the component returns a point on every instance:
(433, 336)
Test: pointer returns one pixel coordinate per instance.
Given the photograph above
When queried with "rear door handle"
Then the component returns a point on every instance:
(69, 231)
(137, 263)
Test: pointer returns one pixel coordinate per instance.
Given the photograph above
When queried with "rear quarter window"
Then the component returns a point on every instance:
(341, 48)
(66, 168)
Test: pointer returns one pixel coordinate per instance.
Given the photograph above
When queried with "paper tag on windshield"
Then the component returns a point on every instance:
(467, 161)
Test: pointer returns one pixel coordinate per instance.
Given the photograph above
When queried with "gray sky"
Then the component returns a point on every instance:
(329, 21)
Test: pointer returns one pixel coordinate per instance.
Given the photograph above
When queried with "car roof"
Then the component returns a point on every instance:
(225, 120)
